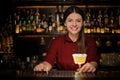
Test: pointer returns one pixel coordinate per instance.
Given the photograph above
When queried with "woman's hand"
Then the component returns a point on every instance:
(44, 66)
(88, 67)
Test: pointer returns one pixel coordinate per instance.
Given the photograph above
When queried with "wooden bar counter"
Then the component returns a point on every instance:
(58, 75)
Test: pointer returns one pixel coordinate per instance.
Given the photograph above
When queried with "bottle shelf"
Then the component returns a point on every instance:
(96, 35)
(66, 6)
(52, 6)
(66, 2)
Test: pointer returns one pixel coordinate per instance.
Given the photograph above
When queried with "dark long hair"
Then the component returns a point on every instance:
(81, 39)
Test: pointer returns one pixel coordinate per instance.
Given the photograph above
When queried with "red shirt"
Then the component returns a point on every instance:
(61, 49)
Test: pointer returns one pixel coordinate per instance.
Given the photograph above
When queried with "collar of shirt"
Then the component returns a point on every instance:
(68, 40)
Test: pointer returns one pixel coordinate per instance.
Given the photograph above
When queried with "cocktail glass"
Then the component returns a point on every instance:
(79, 58)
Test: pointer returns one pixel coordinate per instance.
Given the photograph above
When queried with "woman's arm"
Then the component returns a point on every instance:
(88, 67)
(43, 66)
(92, 60)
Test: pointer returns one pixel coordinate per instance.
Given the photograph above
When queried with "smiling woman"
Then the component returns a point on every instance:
(63, 47)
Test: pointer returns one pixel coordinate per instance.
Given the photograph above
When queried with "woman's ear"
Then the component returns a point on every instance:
(64, 24)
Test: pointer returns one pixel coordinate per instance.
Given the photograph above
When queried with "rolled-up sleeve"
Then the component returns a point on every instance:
(51, 52)
(92, 50)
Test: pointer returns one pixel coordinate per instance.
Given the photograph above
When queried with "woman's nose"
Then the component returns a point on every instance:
(74, 23)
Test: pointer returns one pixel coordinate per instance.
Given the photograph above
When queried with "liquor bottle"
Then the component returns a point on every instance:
(118, 17)
(92, 23)
(16, 23)
(100, 25)
(57, 15)
(117, 20)
(111, 23)
(34, 18)
(106, 21)
(23, 20)
(18, 16)
(62, 28)
(9, 25)
(28, 63)
(37, 14)
(32, 14)
(34, 25)
(118, 31)
(50, 22)
(41, 25)
(42, 41)
(23, 25)
(61, 14)
(87, 22)
(28, 26)
(44, 22)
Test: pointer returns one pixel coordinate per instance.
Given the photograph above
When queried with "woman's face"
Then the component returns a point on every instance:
(74, 23)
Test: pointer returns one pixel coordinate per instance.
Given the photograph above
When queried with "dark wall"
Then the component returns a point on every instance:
(5, 9)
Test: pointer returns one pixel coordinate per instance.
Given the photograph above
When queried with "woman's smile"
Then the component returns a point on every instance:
(74, 23)
(74, 28)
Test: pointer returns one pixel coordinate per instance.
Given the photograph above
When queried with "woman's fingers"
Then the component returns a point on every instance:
(87, 68)
(39, 67)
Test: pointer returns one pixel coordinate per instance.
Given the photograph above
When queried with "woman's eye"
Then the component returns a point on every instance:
(69, 20)
(78, 20)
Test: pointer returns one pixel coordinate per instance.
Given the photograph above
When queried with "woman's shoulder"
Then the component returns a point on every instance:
(89, 39)
(58, 40)
(60, 37)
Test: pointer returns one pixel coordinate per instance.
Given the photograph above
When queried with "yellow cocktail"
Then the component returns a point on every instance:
(79, 58)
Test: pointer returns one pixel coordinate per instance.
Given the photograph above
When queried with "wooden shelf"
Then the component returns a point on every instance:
(65, 2)
(54, 35)
(81, 6)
